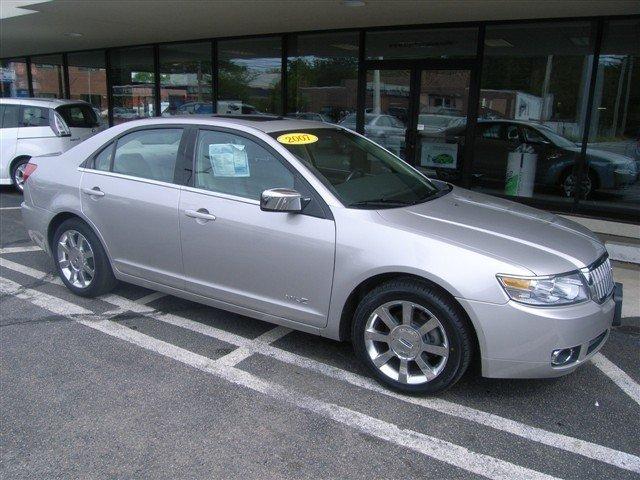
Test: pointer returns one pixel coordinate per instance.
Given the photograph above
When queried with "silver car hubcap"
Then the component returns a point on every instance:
(75, 257)
(406, 342)
(18, 176)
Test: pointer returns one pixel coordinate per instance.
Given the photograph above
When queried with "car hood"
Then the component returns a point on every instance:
(541, 242)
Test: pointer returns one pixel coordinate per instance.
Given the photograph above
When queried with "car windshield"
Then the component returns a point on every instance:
(557, 139)
(359, 172)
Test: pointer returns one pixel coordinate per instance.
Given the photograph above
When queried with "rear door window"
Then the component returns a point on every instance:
(34, 116)
(150, 154)
(78, 116)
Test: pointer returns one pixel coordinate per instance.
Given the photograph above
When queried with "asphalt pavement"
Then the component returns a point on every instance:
(138, 384)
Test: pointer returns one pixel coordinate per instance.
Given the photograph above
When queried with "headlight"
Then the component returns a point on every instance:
(546, 291)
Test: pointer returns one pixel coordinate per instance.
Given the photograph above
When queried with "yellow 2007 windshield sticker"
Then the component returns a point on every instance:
(297, 138)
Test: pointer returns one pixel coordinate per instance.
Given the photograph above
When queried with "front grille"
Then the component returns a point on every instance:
(600, 278)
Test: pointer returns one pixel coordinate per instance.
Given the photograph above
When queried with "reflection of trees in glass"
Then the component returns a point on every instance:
(316, 72)
(233, 81)
(142, 77)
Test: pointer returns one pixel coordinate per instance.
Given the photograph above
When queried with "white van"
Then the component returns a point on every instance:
(30, 127)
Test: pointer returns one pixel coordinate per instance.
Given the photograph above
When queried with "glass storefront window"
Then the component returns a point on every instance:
(132, 83)
(613, 150)
(386, 109)
(442, 112)
(47, 75)
(322, 76)
(424, 43)
(185, 79)
(533, 100)
(249, 76)
(88, 81)
(13, 80)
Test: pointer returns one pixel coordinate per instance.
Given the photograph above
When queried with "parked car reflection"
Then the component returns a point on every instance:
(554, 157)
(385, 130)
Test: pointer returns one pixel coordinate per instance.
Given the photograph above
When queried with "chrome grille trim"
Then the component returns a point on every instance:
(600, 279)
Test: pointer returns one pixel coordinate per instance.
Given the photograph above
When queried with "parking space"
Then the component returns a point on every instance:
(137, 383)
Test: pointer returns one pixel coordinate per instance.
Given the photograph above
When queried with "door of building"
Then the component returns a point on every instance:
(419, 112)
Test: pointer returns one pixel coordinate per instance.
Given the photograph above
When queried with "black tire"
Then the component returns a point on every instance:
(14, 167)
(103, 280)
(586, 189)
(455, 324)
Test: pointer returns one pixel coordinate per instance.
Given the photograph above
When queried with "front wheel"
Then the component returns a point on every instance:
(81, 261)
(411, 337)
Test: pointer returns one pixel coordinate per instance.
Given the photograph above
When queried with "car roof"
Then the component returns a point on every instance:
(263, 123)
(514, 122)
(40, 102)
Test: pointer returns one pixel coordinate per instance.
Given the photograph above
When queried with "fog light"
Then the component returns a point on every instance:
(564, 356)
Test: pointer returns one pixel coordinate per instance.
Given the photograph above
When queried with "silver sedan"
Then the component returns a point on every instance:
(312, 226)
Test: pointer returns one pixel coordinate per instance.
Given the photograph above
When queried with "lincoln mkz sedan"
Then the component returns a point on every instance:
(312, 226)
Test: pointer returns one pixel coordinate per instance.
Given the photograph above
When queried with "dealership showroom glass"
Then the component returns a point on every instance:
(544, 112)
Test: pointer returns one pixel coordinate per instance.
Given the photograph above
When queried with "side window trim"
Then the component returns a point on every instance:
(89, 163)
(323, 210)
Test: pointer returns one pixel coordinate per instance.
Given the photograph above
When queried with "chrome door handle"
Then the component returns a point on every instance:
(201, 214)
(94, 192)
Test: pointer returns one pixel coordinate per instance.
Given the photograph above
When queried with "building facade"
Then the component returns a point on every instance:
(546, 112)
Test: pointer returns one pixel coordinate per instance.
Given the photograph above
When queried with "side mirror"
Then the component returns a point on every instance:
(282, 200)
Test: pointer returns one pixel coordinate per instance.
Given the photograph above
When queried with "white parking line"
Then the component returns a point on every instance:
(563, 442)
(242, 353)
(10, 208)
(49, 302)
(620, 378)
(29, 248)
(150, 298)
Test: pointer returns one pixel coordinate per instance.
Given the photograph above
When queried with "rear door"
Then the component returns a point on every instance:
(81, 120)
(275, 263)
(9, 115)
(130, 194)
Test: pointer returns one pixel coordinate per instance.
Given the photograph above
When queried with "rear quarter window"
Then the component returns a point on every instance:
(78, 116)
(34, 116)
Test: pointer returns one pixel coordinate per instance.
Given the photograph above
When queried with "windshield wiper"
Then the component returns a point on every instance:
(380, 202)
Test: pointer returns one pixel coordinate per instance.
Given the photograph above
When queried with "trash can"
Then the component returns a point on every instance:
(521, 171)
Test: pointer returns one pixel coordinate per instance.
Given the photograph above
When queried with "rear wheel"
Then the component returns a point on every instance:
(411, 337)
(17, 173)
(80, 259)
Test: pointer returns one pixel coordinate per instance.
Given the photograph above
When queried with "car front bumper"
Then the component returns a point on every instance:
(517, 341)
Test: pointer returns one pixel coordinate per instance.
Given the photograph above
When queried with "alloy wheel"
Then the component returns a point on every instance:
(18, 176)
(406, 342)
(75, 258)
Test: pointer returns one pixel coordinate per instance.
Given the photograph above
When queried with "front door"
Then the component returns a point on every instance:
(274, 263)
(427, 109)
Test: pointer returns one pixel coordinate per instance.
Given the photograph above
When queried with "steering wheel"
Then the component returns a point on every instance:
(356, 173)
